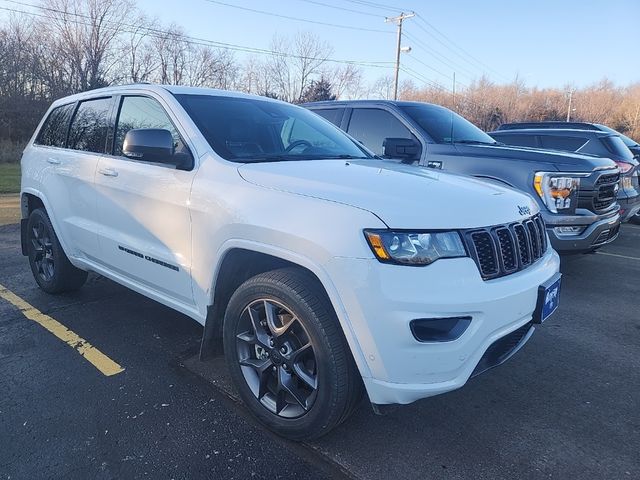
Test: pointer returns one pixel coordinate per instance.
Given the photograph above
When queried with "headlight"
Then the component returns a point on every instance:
(557, 191)
(414, 248)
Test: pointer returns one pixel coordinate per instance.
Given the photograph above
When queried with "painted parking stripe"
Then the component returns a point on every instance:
(90, 353)
(619, 256)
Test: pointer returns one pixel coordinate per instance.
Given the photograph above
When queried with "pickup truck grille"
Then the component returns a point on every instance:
(606, 191)
(608, 178)
(598, 192)
(505, 249)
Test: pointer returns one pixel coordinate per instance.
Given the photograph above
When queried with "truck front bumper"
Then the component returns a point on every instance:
(381, 300)
(598, 231)
(629, 207)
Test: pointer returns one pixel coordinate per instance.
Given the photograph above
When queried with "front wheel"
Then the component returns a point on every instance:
(635, 219)
(288, 356)
(50, 266)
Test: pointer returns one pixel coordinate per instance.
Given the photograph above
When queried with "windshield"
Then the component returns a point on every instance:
(629, 142)
(254, 130)
(445, 126)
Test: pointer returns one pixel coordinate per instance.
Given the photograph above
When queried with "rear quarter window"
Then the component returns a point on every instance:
(54, 130)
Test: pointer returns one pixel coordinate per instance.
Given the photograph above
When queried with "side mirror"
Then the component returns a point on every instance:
(149, 145)
(405, 148)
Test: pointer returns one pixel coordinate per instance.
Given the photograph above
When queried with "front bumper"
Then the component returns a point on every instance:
(600, 230)
(629, 207)
(380, 300)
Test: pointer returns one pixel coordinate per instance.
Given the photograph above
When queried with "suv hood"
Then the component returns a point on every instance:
(561, 161)
(402, 196)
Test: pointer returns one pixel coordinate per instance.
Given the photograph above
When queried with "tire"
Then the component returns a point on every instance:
(303, 317)
(50, 266)
(635, 219)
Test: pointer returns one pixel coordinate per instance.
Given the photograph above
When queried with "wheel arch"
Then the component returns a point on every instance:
(241, 262)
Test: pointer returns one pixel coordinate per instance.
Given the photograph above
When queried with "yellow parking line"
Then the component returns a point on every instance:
(94, 356)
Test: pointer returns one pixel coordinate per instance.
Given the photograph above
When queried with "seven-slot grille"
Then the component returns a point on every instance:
(505, 249)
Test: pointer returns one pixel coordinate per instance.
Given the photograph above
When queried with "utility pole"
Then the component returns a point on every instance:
(569, 108)
(398, 21)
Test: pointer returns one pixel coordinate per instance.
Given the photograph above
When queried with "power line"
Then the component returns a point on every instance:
(297, 19)
(380, 6)
(342, 8)
(441, 58)
(159, 33)
(460, 51)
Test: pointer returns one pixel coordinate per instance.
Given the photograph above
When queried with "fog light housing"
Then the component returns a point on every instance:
(439, 329)
(568, 231)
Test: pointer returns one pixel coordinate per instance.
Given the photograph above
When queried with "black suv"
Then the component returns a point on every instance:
(629, 142)
(576, 193)
(593, 142)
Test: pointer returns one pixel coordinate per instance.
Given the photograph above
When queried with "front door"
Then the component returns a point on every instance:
(143, 208)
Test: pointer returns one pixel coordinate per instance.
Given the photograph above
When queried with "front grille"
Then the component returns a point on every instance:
(606, 191)
(505, 249)
(608, 178)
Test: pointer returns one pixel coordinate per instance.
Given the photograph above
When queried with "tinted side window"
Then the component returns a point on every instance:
(372, 125)
(518, 140)
(334, 115)
(144, 112)
(570, 144)
(90, 125)
(54, 130)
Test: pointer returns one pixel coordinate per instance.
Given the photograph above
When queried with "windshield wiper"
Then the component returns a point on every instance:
(474, 142)
(345, 157)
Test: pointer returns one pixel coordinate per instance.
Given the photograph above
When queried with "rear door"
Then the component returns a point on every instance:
(71, 157)
(143, 208)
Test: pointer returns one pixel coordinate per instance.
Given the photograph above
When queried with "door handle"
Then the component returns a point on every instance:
(434, 164)
(53, 161)
(108, 172)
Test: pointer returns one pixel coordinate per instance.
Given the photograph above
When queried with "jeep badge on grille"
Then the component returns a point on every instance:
(524, 210)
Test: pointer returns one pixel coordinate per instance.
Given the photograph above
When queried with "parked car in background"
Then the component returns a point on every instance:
(323, 270)
(593, 142)
(629, 142)
(576, 193)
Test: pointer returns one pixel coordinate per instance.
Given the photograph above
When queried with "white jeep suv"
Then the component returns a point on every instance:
(322, 269)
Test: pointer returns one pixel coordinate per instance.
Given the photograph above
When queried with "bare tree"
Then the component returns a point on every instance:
(86, 33)
(296, 63)
(347, 82)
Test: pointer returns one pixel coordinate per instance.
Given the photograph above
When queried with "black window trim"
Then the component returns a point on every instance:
(113, 125)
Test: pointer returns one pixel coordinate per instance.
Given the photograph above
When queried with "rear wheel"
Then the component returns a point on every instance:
(287, 354)
(50, 266)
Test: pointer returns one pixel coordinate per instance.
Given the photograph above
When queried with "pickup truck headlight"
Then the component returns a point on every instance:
(557, 191)
(414, 248)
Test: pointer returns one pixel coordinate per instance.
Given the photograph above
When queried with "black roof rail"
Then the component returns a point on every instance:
(549, 124)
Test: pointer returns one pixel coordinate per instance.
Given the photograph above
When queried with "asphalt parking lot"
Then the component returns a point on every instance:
(567, 406)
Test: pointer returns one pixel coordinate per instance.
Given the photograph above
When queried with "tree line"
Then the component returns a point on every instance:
(68, 46)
